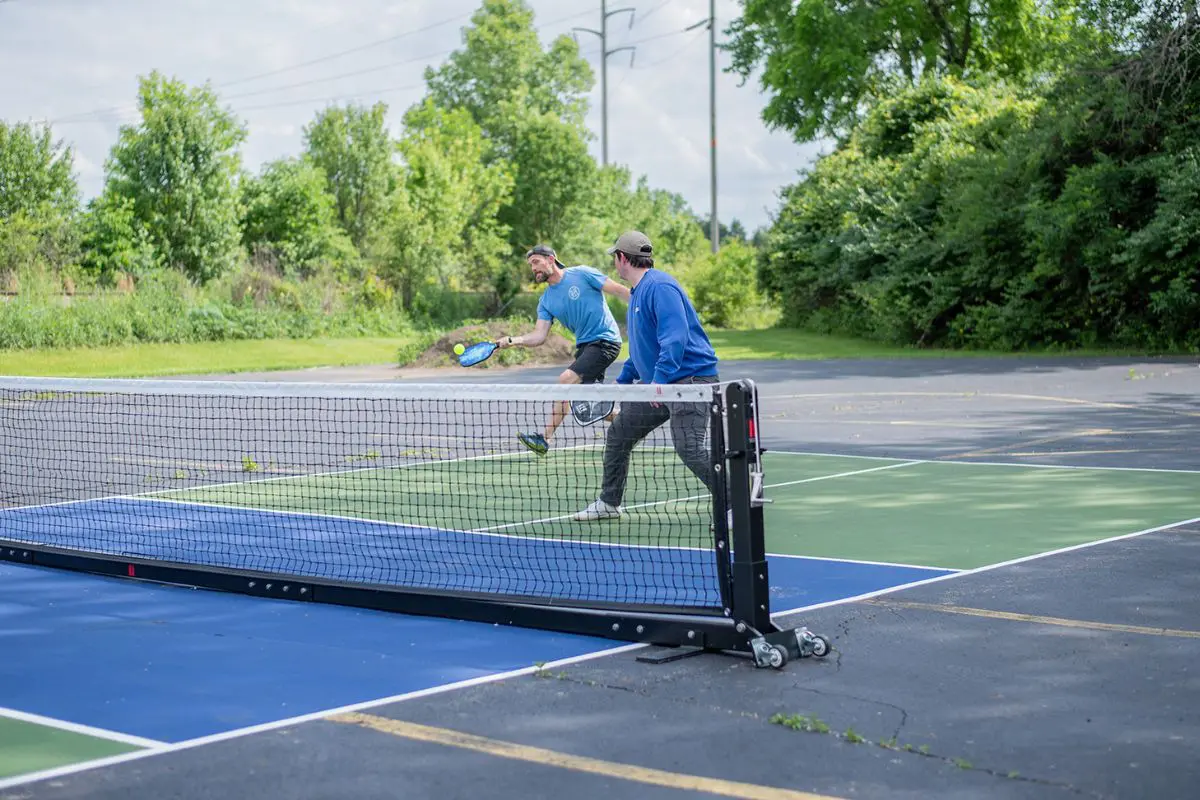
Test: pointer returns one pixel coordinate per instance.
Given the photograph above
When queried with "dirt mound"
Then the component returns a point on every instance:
(556, 350)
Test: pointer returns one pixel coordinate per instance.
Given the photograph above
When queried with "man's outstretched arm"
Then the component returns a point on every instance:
(616, 289)
(532, 339)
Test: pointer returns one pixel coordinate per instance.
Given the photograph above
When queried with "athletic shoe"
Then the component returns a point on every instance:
(535, 442)
(599, 510)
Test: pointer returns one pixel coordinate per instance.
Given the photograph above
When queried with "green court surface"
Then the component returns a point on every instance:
(928, 513)
(516, 493)
(960, 515)
(28, 747)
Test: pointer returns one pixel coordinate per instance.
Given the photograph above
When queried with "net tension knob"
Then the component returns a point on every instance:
(757, 499)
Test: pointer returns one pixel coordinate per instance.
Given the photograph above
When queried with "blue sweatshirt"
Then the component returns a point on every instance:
(666, 341)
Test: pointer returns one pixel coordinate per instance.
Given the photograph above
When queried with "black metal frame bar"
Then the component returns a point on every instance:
(741, 569)
(699, 630)
(751, 581)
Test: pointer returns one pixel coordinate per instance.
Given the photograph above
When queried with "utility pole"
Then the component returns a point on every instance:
(604, 54)
(714, 225)
(714, 228)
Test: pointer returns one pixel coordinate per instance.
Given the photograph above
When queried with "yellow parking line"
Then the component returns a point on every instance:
(1066, 623)
(551, 758)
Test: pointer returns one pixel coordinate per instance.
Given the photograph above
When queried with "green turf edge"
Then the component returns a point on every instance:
(27, 747)
(151, 359)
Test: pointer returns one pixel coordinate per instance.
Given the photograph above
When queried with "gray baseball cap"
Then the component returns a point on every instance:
(633, 243)
(543, 250)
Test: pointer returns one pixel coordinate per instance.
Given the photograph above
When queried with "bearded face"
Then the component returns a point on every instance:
(542, 268)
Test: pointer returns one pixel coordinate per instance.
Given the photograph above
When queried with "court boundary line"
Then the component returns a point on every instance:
(431, 528)
(265, 727)
(153, 498)
(990, 567)
(81, 729)
(59, 772)
(1105, 404)
(702, 497)
(954, 460)
(157, 493)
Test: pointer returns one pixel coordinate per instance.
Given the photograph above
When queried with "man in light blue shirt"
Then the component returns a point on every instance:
(574, 297)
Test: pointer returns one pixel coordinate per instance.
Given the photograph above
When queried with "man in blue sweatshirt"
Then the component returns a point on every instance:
(667, 344)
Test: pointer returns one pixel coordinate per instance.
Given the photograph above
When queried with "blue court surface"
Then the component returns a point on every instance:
(172, 664)
(371, 551)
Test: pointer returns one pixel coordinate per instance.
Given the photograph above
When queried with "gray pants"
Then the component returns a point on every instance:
(635, 421)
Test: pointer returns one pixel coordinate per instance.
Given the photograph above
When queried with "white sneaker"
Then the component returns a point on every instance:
(599, 510)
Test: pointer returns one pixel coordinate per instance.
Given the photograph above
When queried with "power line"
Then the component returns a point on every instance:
(338, 77)
(91, 116)
(658, 7)
(369, 45)
(695, 38)
(334, 98)
(332, 56)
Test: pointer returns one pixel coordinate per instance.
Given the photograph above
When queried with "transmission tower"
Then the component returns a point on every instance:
(604, 54)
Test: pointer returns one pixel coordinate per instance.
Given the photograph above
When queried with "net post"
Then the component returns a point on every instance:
(751, 582)
(720, 501)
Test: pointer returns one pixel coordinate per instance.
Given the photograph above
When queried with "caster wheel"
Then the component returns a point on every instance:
(777, 658)
(820, 646)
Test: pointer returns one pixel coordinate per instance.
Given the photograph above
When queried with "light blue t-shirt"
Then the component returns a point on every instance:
(578, 303)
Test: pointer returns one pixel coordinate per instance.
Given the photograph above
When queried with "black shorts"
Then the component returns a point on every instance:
(593, 358)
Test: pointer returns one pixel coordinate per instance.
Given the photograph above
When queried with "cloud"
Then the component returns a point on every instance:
(58, 60)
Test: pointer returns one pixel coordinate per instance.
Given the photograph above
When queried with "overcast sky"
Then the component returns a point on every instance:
(76, 63)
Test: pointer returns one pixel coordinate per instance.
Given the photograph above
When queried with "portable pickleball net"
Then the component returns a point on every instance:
(409, 498)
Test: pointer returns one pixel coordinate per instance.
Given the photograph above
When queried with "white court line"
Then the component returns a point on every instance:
(990, 567)
(860, 561)
(844, 474)
(704, 496)
(1065, 467)
(71, 769)
(157, 493)
(971, 395)
(317, 715)
(416, 526)
(74, 727)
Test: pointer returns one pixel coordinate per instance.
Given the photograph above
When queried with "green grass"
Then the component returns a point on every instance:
(143, 360)
(775, 344)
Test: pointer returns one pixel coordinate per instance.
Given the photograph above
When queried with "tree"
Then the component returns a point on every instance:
(503, 61)
(352, 146)
(38, 200)
(724, 288)
(531, 104)
(443, 214)
(617, 204)
(179, 169)
(823, 60)
(114, 243)
(734, 231)
(288, 210)
(36, 173)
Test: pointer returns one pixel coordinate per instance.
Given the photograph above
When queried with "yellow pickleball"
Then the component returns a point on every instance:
(459, 349)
